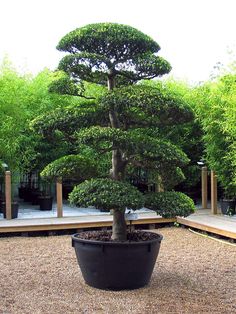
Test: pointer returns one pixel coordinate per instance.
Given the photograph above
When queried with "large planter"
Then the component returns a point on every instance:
(26, 194)
(2, 200)
(21, 192)
(66, 190)
(45, 202)
(35, 197)
(14, 209)
(228, 207)
(116, 265)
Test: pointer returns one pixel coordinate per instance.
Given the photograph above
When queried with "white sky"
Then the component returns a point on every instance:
(193, 34)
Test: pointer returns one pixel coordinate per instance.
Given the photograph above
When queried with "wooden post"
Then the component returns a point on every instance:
(213, 193)
(204, 187)
(8, 194)
(59, 198)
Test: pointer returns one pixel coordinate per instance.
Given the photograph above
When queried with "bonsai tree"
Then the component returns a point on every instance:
(128, 120)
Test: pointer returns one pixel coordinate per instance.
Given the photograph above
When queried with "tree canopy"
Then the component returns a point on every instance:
(102, 50)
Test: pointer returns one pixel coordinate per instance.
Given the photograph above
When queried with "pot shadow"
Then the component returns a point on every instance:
(176, 281)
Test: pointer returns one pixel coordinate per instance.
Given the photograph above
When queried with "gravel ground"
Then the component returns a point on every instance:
(192, 275)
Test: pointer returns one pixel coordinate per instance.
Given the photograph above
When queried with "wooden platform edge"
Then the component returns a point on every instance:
(78, 225)
(200, 226)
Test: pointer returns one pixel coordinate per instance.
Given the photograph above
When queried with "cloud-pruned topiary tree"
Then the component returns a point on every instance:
(128, 117)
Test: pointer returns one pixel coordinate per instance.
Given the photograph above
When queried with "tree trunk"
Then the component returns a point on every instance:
(111, 81)
(119, 229)
(118, 165)
(117, 171)
(112, 114)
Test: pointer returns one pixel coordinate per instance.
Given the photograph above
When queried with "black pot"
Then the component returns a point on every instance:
(2, 200)
(116, 265)
(228, 207)
(14, 210)
(22, 190)
(35, 197)
(66, 190)
(26, 193)
(45, 202)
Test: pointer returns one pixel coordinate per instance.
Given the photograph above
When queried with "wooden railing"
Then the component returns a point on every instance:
(204, 180)
(9, 200)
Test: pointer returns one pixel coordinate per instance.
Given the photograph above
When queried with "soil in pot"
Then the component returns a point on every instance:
(113, 265)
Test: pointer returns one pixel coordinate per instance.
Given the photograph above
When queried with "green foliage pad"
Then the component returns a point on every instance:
(106, 194)
(170, 204)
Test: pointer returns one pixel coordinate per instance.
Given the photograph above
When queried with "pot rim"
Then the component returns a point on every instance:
(117, 243)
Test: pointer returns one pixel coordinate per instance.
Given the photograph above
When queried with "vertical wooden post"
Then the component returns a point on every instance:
(213, 193)
(204, 187)
(59, 198)
(8, 194)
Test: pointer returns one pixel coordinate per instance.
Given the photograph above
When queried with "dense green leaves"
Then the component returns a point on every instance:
(170, 204)
(138, 108)
(67, 120)
(21, 99)
(65, 85)
(106, 194)
(216, 109)
(87, 69)
(145, 105)
(109, 39)
(73, 167)
(137, 147)
(187, 135)
(104, 50)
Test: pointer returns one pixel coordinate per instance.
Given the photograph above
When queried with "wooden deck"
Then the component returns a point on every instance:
(217, 224)
(201, 220)
(65, 223)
